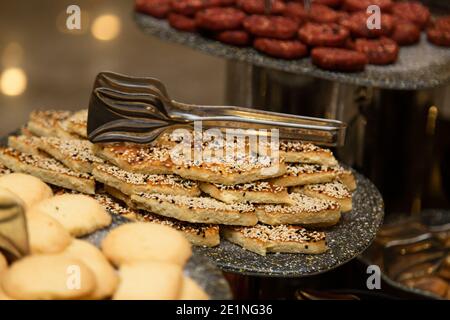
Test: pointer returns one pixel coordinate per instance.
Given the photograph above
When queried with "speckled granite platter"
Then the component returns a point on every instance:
(354, 233)
(203, 271)
(420, 66)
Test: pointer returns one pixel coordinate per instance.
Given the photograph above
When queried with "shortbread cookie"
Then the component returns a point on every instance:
(3, 263)
(25, 144)
(48, 277)
(29, 189)
(46, 123)
(132, 183)
(75, 154)
(196, 209)
(47, 169)
(79, 214)
(262, 239)
(305, 211)
(254, 192)
(190, 290)
(136, 158)
(134, 242)
(301, 174)
(198, 234)
(149, 281)
(105, 275)
(3, 295)
(77, 123)
(45, 234)
(334, 191)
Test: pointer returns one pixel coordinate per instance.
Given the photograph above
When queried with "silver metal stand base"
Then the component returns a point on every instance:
(393, 135)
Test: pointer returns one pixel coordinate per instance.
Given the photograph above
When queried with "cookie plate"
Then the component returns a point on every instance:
(419, 66)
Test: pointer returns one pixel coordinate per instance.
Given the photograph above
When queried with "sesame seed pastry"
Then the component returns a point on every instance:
(301, 152)
(301, 174)
(347, 178)
(197, 234)
(48, 123)
(263, 239)
(136, 158)
(334, 191)
(231, 168)
(196, 209)
(235, 168)
(305, 211)
(254, 192)
(25, 144)
(75, 154)
(47, 169)
(132, 183)
(77, 123)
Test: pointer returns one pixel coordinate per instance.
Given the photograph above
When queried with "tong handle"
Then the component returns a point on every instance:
(322, 131)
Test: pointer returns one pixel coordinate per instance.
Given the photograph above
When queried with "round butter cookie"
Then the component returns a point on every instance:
(106, 276)
(133, 242)
(149, 281)
(48, 277)
(190, 290)
(45, 234)
(3, 263)
(28, 188)
(3, 295)
(79, 214)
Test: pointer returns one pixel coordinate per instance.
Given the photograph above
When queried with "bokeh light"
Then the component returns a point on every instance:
(13, 81)
(106, 27)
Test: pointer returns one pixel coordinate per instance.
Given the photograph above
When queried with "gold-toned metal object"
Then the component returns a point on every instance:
(13, 228)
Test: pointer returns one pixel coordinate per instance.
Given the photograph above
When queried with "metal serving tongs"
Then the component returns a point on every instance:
(138, 110)
(13, 230)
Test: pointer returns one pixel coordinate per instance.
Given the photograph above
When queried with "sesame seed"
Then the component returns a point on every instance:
(257, 186)
(284, 233)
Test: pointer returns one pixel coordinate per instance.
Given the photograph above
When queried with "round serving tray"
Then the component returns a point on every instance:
(419, 66)
(199, 268)
(349, 238)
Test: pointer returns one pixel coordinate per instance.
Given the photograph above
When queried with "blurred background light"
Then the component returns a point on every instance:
(106, 27)
(13, 81)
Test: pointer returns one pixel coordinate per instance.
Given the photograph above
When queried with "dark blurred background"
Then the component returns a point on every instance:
(44, 65)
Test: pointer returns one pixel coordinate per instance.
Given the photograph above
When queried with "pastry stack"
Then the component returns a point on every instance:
(258, 201)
